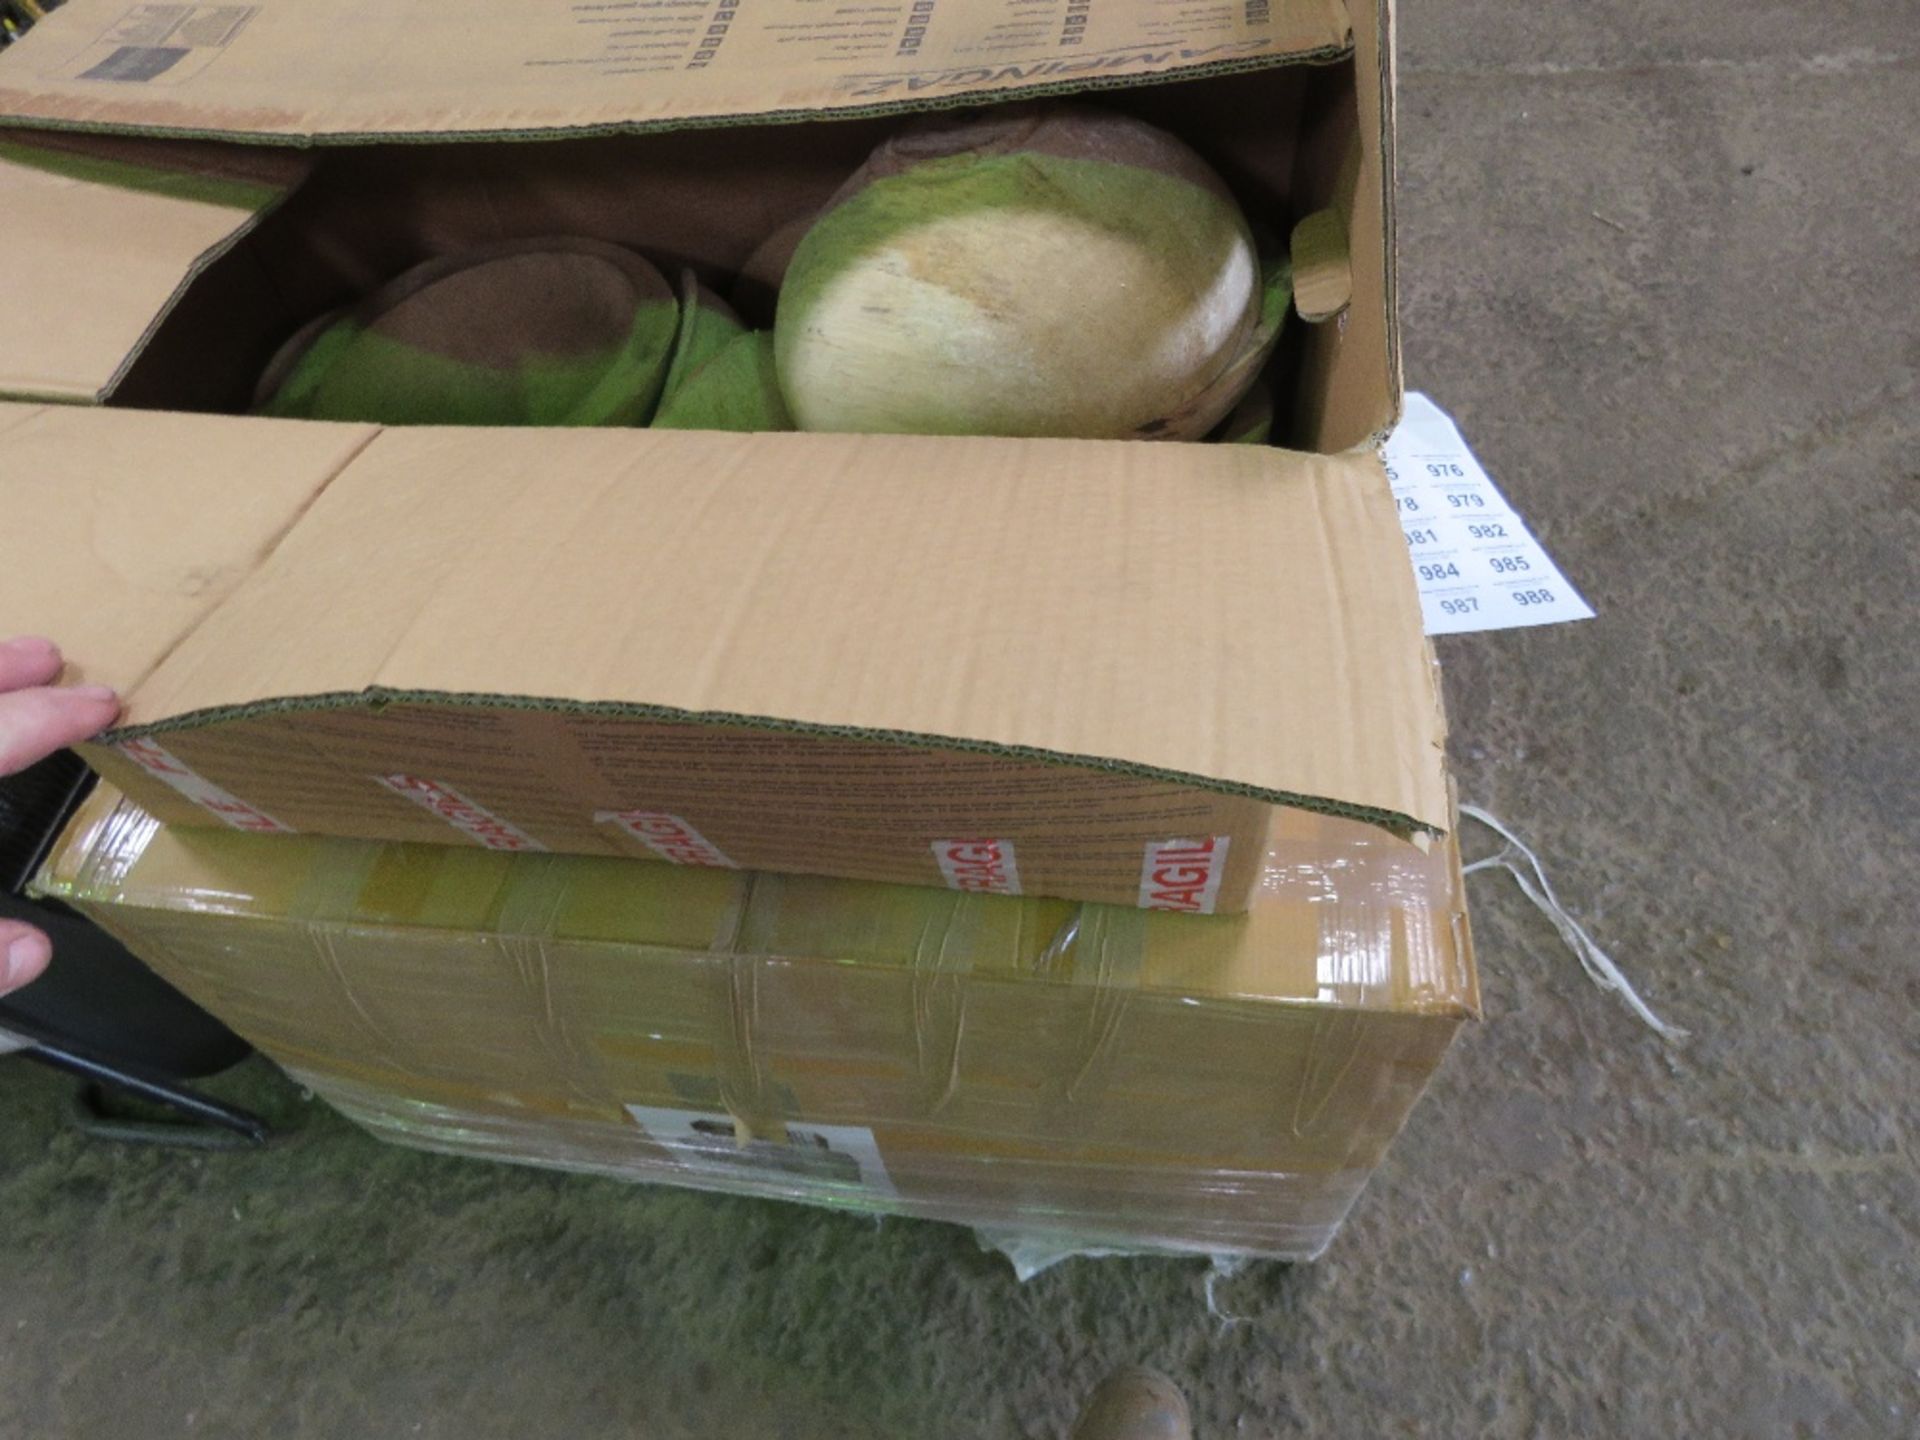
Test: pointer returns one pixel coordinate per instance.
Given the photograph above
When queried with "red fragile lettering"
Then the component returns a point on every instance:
(241, 815)
(154, 759)
(974, 852)
(1180, 877)
(669, 837)
(974, 875)
(658, 827)
(145, 753)
(485, 828)
(1183, 875)
(688, 849)
(445, 803)
(673, 841)
(983, 865)
(502, 840)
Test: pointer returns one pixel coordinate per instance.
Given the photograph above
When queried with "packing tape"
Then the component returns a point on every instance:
(111, 852)
(1100, 951)
(940, 972)
(747, 1090)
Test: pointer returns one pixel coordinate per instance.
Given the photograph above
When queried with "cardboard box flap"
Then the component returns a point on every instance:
(122, 530)
(1240, 616)
(295, 70)
(103, 238)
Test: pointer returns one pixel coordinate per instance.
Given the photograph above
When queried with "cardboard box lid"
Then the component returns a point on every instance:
(295, 71)
(1236, 617)
(121, 530)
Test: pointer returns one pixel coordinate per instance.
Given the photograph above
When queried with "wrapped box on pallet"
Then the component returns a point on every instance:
(1098, 1075)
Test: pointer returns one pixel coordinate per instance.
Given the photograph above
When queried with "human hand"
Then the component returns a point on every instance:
(38, 717)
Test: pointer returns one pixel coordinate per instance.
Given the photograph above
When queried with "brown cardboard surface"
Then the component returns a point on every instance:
(1322, 273)
(1225, 1081)
(287, 68)
(751, 634)
(1351, 384)
(791, 577)
(123, 530)
(101, 241)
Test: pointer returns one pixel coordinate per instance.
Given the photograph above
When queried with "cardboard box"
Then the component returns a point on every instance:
(1068, 668)
(1099, 1073)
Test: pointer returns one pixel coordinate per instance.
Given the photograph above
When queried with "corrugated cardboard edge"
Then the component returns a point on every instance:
(200, 265)
(22, 108)
(1387, 65)
(1392, 820)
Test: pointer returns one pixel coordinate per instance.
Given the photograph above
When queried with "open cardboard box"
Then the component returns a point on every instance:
(1083, 669)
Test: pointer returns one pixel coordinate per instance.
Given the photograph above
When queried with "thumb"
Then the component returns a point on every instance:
(24, 953)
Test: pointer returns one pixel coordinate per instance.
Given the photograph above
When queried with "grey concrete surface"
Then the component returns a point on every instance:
(1663, 263)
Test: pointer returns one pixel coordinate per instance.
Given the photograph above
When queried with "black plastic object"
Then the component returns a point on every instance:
(34, 804)
(199, 1123)
(96, 999)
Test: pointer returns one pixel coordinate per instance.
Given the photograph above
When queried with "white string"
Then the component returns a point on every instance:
(1599, 965)
(1223, 1267)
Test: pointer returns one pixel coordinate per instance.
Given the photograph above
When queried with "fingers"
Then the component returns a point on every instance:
(24, 953)
(36, 719)
(28, 660)
(35, 723)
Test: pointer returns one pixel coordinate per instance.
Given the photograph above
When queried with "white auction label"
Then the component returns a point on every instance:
(811, 1161)
(1477, 565)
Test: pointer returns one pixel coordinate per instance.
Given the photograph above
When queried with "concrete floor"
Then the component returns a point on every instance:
(1663, 262)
